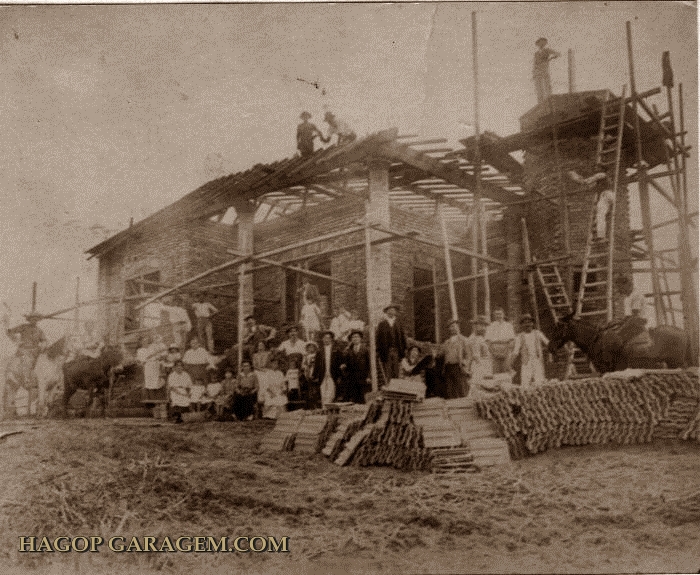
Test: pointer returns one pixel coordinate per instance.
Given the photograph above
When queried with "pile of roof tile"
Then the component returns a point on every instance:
(348, 423)
(310, 434)
(636, 407)
(282, 437)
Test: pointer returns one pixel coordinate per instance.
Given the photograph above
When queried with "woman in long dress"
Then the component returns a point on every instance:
(275, 395)
(310, 316)
(261, 365)
(149, 356)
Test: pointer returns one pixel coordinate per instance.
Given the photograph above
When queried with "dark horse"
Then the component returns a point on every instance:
(607, 352)
(90, 374)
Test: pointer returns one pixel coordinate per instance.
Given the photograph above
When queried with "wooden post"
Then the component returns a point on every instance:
(448, 266)
(530, 278)
(241, 314)
(76, 314)
(370, 301)
(572, 88)
(33, 297)
(485, 266)
(436, 303)
(643, 185)
(476, 211)
(689, 298)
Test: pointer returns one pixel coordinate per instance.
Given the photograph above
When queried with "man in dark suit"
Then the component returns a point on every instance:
(357, 368)
(391, 342)
(327, 370)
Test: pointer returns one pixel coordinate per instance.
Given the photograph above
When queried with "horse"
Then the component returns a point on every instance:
(670, 346)
(91, 375)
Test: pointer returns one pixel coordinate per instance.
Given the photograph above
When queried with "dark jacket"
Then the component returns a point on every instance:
(385, 337)
(357, 364)
(320, 364)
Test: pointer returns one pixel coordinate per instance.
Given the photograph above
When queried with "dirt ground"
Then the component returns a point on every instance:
(604, 509)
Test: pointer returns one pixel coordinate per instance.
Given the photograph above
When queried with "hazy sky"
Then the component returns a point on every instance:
(110, 112)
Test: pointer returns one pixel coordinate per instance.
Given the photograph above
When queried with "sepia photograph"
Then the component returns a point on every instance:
(318, 288)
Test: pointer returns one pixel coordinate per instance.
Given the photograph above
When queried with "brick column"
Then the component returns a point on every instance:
(246, 213)
(380, 281)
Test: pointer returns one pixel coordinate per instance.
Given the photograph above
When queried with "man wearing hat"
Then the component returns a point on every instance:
(391, 342)
(540, 69)
(500, 337)
(306, 133)
(29, 337)
(481, 363)
(293, 347)
(337, 126)
(253, 334)
(457, 362)
(357, 368)
(327, 370)
(530, 345)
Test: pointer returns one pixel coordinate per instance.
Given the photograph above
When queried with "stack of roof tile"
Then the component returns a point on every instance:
(310, 433)
(618, 408)
(281, 438)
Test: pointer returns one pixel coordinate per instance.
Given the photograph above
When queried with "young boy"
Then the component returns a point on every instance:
(179, 385)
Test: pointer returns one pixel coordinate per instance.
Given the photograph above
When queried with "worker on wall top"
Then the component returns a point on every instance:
(306, 134)
(540, 69)
(339, 127)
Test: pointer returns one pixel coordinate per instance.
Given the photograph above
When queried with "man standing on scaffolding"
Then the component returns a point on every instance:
(605, 200)
(540, 69)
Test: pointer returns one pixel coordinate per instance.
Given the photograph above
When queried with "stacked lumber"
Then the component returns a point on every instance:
(393, 440)
(452, 460)
(349, 422)
(616, 408)
(281, 438)
(403, 389)
(430, 417)
(488, 451)
(310, 433)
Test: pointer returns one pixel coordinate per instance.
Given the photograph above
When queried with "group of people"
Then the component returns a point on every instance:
(308, 132)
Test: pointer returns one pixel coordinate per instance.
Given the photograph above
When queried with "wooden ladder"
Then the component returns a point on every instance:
(596, 285)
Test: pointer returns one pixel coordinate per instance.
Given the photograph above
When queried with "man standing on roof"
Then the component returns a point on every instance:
(337, 126)
(540, 69)
(306, 134)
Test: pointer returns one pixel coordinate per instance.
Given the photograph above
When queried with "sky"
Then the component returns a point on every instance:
(112, 112)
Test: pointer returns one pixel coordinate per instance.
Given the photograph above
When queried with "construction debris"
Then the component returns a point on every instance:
(626, 409)
(281, 438)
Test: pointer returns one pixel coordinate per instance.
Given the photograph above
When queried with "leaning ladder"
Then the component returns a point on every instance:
(596, 276)
(559, 306)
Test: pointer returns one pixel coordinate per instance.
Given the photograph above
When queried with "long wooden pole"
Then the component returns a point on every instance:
(33, 297)
(530, 278)
(476, 225)
(76, 313)
(436, 303)
(241, 313)
(643, 187)
(448, 265)
(370, 301)
(572, 87)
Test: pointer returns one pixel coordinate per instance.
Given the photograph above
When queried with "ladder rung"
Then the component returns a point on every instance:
(595, 298)
(611, 127)
(594, 270)
(591, 284)
(599, 312)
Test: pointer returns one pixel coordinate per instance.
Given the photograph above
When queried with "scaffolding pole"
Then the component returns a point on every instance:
(530, 278)
(643, 187)
(370, 301)
(448, 266)
(76, 313)
(476, 224)
(436, 303)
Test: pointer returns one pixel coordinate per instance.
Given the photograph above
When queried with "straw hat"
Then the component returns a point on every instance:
(526, 318)
(541, 41)
(396, 306)
(305, 115)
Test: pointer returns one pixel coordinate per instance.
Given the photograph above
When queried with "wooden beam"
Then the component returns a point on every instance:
(293, 268)
(370, 301)
(417, 238)
(448, 266)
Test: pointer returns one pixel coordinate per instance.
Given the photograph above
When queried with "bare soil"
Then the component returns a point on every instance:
(590, 509)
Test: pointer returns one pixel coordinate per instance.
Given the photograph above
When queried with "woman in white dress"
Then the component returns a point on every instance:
(149, 356)
(310, 317)
(275, 394)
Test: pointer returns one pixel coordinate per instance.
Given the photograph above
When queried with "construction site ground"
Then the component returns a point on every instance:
(588, 509)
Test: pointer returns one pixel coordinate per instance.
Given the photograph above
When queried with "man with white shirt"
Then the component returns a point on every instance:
(203, 310)
(531, 345)
(500, 337)
(327, 367)
(293, 347)
(457, 362)
(179, 320)
(340, 324)
(198, 361)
